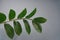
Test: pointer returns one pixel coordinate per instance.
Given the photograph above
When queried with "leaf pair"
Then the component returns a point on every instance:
(12, 14)
(37, 23)
(10, 30)
(24, 12)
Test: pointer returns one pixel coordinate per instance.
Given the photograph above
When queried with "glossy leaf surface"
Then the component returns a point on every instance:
(17, 27)
(27, 26)
(9, 30)
(22, 14)
(37, 26)
(40, 20)
(31, 14)
(2, 17)
(12, 14)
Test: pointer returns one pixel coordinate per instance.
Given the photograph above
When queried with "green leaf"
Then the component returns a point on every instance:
(22, 14)
(2, 17)
(40, 20)
(37, 26)
(9, 30)
(31, 14)
(17, 27)
(27, 26)
(12, 14)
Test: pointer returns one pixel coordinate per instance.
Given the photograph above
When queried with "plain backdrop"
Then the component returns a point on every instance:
(49, 9)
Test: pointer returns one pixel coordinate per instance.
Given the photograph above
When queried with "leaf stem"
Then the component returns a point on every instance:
(15, 19)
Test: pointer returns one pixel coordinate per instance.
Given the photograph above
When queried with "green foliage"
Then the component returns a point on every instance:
(22, 14)
(27, 26)
(12, 14)
(37, 26)
(40, 20)
(31, 14)
(2, 17)
(9, 30)
(17, 26)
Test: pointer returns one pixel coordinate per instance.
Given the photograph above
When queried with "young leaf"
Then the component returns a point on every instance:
(37, 26)
(9, 30)
(27, 26)
(40, 20)
(17, 27)
(12, 14)
(31, 14)
(2, 17)
(22, 14)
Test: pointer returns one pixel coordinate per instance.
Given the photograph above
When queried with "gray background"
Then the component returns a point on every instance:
(49, 9)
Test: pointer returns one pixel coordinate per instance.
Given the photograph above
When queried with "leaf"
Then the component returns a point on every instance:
(31, 14)
(27, 26)
(12, 14)
(9, 30)
(22, 14)
(40, 20)
(37, 26)
(17, 27)
(2, 17)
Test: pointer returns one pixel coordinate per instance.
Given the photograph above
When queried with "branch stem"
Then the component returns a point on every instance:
(15, 19)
